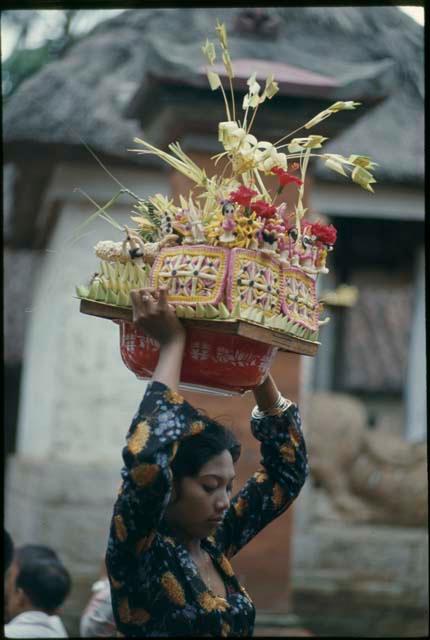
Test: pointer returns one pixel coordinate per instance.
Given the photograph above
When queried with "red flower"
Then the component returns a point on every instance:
(325, 233)
(263, 209)
(285, 177)
(243, 195)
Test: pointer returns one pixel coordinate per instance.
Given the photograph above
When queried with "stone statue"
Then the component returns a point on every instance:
(363, 475)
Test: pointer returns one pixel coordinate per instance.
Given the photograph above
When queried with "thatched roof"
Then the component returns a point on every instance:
(95, 89)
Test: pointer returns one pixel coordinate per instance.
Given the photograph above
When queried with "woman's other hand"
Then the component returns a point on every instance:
(266, 394)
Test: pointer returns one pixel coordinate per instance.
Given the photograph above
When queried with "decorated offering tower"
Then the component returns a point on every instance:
(240, 265)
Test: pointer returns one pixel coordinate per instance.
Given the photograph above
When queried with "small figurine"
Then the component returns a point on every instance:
(228, 225)
(308, 255)
(133, 246)
(321, 257)
(194, 228)
(325, 237)
(269, 238)
(294, 246)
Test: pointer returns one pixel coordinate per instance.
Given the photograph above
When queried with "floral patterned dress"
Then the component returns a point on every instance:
(155, 585)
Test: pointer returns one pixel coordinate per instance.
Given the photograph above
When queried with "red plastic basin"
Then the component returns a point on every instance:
(213, 362)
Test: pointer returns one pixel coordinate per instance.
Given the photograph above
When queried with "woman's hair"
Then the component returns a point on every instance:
(194, 451)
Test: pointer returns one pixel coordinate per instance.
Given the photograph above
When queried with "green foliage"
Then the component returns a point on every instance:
(21, 64)
(24, 61)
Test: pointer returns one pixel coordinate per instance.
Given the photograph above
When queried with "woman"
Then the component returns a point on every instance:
(175, 526)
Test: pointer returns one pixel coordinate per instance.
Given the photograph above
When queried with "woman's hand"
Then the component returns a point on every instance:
(153, 314)
(266, 394)
(157, 318)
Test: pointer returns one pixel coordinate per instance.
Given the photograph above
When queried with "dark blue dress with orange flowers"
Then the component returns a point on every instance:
(156, 587)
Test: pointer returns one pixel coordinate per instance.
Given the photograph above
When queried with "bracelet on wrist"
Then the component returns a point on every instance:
(278, 407)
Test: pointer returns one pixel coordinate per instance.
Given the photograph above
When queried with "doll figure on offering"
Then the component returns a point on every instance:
(228, 225)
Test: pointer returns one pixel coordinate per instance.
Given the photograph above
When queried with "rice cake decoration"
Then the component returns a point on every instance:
(193, 275)
(254, 289)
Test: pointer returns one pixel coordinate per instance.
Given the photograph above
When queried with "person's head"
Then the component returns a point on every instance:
(36, 582)
(203, 474)
(28, 552)
(8, 550)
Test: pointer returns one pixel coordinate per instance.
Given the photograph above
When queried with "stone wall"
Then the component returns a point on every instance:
(362, 580)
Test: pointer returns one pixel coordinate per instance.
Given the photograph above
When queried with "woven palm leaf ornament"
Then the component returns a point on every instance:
(229, 250)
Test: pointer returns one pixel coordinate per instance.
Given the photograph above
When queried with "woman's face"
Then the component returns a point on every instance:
(200, 502)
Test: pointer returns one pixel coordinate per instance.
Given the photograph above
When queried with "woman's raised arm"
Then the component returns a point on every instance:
(152, 440)
(275, 422)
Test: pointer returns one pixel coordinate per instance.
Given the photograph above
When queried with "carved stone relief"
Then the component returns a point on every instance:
(362, 475)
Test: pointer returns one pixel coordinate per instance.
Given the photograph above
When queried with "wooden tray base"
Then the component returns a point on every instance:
(279, 339)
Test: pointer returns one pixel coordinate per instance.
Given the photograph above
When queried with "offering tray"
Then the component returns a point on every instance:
(242, 328)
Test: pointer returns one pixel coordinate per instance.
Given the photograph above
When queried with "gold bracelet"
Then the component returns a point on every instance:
(278, 407)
